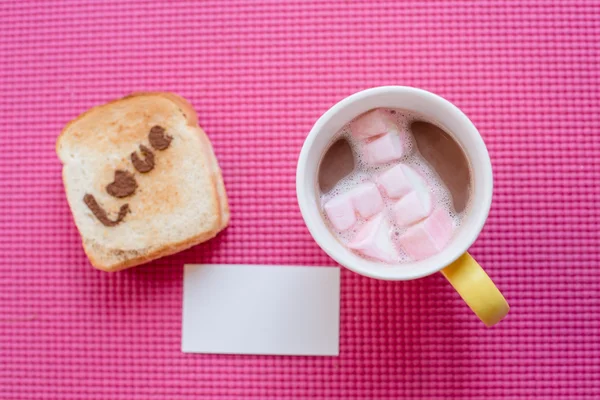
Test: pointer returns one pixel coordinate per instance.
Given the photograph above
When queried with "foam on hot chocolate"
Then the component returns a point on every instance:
(368, 167)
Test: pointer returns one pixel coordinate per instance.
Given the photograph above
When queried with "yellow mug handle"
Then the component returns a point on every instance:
(477, 289)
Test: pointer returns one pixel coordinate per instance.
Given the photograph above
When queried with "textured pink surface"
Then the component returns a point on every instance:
(260, 74)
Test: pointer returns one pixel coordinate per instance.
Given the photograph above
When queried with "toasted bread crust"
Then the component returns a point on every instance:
(152, 255)
(97, 254)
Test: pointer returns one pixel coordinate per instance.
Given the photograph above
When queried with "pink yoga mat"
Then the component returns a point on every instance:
(260, 74)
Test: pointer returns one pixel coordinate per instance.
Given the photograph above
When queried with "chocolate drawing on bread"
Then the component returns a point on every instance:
(145, 165)
(135, 196)
(158, 139)
(99, 212)
(124, 183)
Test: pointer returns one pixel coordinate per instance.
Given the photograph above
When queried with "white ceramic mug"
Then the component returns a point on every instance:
(463, 272)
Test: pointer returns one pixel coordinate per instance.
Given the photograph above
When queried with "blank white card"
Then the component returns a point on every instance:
(251, 309)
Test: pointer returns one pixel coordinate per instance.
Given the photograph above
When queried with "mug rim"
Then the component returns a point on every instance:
(468, 234)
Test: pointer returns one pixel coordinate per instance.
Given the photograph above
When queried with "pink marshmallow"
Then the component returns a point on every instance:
(374, 240)
(340, 212)
(373, 123)
(429, 236)
(413, 207)
(366, 199)
(400, 180)
(386, 148)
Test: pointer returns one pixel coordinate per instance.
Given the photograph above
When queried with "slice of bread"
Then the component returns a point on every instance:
(179, 203)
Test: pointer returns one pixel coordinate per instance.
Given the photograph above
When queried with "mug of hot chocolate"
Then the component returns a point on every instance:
(396, 183)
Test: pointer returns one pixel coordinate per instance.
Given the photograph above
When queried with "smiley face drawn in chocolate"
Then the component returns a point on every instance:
(145, 165)
(124, 183)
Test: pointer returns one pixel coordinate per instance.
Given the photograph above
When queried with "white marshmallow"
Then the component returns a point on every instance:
(386, 148)
(366, 199)
(400, 180)
(413, 207)
(373, 123)
(340, 212)
(429, 236)
(374, 240)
